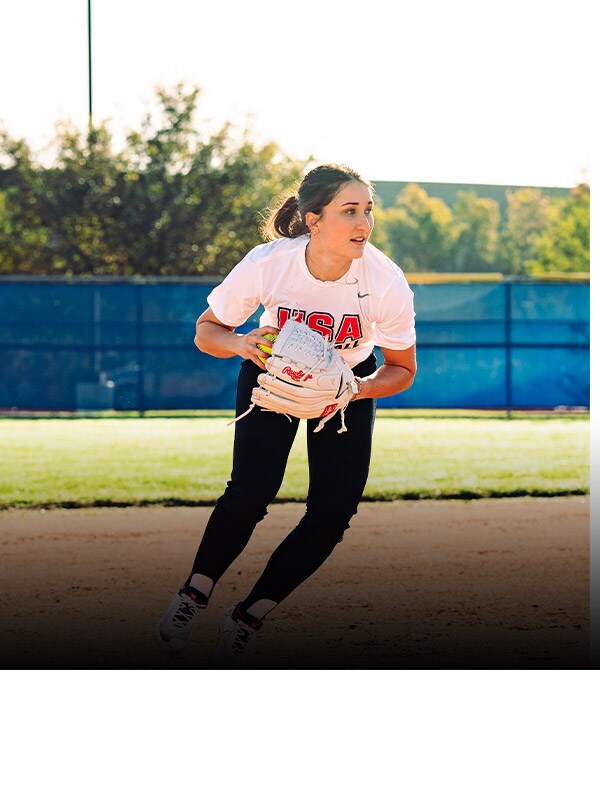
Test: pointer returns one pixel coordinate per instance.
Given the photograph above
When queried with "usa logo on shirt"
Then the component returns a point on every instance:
(347, 335)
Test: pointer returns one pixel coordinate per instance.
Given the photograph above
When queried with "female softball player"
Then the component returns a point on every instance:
(318, 267)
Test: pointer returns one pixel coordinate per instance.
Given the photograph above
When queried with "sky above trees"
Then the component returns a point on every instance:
(460, 92)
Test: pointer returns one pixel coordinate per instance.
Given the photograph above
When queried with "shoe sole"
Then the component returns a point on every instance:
(216, 662)
(172, 646)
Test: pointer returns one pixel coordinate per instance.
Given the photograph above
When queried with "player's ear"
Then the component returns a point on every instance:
(311, 220)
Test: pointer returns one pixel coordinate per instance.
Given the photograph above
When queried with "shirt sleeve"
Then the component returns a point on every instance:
(395, 322)
(238, 296)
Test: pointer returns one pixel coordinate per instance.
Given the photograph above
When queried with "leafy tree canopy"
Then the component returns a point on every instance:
(179, 200)
(173, 201)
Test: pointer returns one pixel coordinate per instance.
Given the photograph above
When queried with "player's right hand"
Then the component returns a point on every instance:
(247, 344)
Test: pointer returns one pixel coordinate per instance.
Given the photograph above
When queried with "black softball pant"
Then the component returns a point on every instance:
(338, 470)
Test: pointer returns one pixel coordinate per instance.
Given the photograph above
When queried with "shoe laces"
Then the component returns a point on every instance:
(243, 632)
(186, 611)
(241, 639)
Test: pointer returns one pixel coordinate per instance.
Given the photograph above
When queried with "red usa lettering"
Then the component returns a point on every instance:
(348, 333)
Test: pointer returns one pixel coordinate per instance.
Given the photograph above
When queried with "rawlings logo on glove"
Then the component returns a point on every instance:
(302, 354)
(295, 376)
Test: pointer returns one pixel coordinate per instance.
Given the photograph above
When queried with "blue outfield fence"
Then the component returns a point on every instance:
(95, 344)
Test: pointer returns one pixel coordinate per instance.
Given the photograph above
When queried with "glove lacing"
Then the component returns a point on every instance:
(329, 346)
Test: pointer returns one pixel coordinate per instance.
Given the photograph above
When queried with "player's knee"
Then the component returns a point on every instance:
(241, 503)
(254, 489)
(328, 528)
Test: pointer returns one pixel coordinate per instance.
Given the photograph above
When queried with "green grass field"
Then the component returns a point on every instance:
(187, 460)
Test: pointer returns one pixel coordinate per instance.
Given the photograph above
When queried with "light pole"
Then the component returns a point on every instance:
(90, 63)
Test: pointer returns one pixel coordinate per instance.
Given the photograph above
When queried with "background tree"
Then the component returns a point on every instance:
(174, 201)
(476, 221)
(564, 244)
(418, 231)
(540, 233)
(528, 214)
(24, 238)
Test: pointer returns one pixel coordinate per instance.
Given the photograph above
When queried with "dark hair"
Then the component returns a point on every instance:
(317, 189)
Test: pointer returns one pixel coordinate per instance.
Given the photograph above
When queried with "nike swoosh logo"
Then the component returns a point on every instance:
(363, 295)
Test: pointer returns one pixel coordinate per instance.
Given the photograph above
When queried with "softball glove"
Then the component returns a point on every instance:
(305, 378)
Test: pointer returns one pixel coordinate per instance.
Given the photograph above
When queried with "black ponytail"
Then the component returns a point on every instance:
(285, 221)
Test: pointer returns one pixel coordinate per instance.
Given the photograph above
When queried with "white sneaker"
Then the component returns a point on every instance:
(174, 627)
(237, 629)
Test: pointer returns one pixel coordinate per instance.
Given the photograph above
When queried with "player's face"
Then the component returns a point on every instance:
(346, 223)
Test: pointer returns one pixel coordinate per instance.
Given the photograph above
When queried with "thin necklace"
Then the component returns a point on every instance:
(308, 257)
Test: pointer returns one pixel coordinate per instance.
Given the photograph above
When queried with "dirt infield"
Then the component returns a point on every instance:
(425, 584)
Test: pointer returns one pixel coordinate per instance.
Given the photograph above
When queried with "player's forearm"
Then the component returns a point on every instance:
(386, 381)
(216, 340)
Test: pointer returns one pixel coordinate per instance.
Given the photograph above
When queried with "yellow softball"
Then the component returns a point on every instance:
(271, 337)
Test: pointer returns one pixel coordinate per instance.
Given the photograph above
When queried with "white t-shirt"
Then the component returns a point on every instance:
(372, 304)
